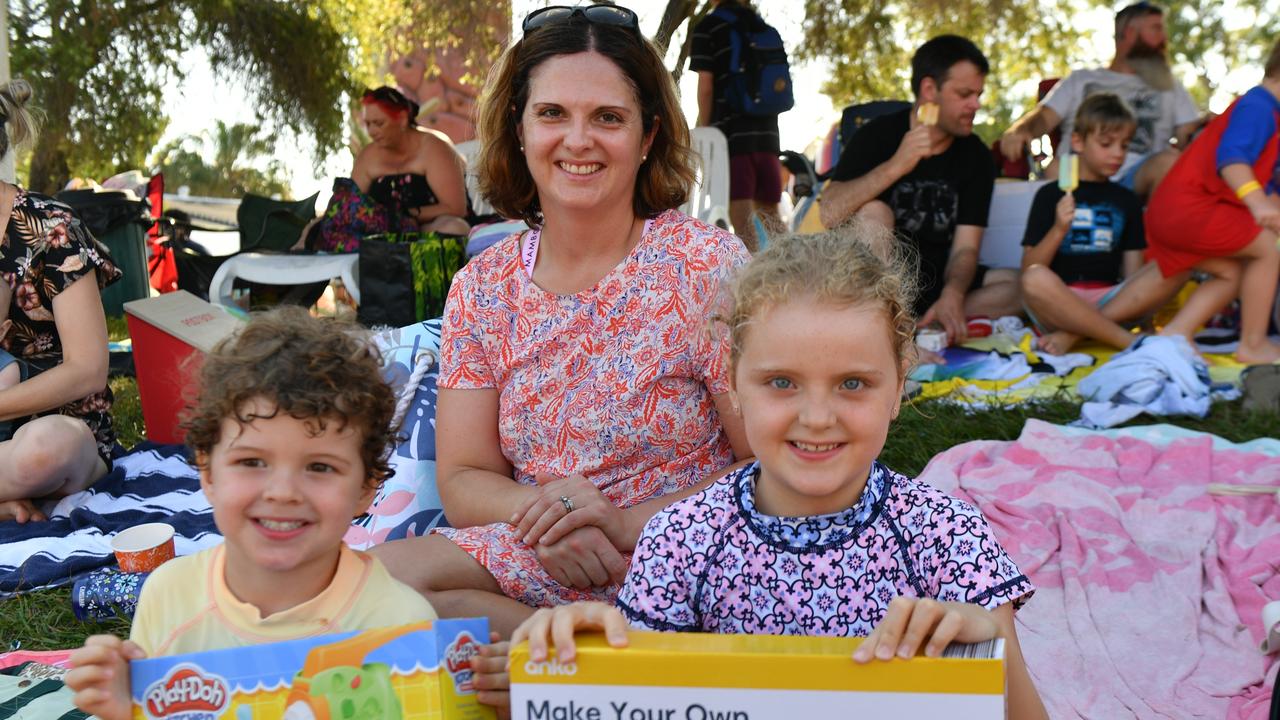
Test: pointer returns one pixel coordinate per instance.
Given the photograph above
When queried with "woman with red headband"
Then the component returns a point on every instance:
(408, 167)
(408, 179)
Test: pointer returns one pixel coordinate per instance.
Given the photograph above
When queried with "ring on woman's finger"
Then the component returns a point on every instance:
(567, 502)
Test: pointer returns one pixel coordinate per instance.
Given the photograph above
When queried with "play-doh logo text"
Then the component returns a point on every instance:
(457, 659)
(186, 689)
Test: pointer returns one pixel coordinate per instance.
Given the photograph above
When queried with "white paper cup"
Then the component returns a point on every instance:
(930, 339)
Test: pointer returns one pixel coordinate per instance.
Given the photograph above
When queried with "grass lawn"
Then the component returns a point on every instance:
(43, 620)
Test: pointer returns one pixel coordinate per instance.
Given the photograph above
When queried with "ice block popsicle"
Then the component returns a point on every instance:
(1069, 173)
(927, 113)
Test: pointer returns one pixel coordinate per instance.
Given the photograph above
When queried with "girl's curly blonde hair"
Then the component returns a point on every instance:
(318, 370)
(856, 264)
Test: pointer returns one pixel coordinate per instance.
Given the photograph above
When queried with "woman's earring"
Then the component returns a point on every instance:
(521, 148)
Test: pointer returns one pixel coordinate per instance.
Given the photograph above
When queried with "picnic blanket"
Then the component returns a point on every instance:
(1002, 370)
(154, 483)
(1150, 590)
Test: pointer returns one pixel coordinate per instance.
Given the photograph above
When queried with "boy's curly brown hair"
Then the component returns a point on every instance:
(314, 369)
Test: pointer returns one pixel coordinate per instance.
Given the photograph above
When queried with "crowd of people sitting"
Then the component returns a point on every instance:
(638, 420)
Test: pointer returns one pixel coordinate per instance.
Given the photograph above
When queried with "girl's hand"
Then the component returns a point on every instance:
(560, 623)
(912, 622)
(1065, 213)
(492, 682)
(544, 517)
(583, 559)
(100, 676)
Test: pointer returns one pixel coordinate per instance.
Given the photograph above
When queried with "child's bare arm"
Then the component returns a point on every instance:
(1132, 261)
(100, 676)
(1024, 699)
(1265, 209)
(1043, 252)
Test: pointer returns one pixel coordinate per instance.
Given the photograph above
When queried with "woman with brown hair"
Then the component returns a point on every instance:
(581, 389)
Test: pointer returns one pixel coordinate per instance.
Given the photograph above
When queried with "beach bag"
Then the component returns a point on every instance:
(350, 216)
(408, 503)
(759, 76)
(405, 277)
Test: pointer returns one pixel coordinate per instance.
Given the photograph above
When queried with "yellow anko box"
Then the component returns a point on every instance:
(411, 672)
(691, 676)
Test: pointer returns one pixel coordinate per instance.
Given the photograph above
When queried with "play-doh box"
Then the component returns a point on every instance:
(411, 672)
(688, 676)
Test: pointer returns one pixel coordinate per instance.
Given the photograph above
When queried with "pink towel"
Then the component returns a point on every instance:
(1150, 590)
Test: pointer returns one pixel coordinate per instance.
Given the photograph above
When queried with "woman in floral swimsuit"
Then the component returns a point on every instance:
(581, 387)
(52, 270)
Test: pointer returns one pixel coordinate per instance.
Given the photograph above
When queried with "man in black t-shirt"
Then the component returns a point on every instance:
(931, 182)
(755, 175)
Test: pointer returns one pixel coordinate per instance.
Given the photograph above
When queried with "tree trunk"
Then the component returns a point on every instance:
(672, 18)
(49, 168)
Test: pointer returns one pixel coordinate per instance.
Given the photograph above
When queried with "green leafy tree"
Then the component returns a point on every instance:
(99, 66)
(232, 173)
(869, 43)
(1203, 40)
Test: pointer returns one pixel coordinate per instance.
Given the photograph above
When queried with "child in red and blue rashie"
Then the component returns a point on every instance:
(816, 537)
(1218, 211)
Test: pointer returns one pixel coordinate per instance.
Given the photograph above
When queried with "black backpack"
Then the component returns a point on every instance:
(759, 77)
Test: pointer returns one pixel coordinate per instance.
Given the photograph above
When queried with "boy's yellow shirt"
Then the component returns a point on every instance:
(186, 607)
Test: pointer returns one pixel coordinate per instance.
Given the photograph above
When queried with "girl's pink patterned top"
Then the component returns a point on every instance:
(614, 382)
(714, 563)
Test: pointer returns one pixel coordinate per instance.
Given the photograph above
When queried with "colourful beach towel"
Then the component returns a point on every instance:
(1150, 589)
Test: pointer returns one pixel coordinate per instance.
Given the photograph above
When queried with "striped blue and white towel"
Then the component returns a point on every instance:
(154, 483)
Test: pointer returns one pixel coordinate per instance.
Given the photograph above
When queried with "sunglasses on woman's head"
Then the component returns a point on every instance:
(597, 14)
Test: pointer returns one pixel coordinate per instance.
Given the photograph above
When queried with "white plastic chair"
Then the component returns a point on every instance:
(709, 199)
(285, 270)
(1007, 222)
(469, 150)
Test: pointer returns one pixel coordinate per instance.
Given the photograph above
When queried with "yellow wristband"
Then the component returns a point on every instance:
(1247, 188)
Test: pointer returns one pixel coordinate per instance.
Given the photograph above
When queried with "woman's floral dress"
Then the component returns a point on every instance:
(46, 248)
(614, 382)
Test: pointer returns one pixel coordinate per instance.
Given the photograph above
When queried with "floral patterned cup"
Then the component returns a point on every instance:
(143, 548)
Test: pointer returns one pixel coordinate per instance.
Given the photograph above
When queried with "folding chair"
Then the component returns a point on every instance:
(269, 228)
(709, 199)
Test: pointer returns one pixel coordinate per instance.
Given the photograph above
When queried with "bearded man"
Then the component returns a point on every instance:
(1139, 74)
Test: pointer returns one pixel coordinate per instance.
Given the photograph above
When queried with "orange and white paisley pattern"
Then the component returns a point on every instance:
(615, 382)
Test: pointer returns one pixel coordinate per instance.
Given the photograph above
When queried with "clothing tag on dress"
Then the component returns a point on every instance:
(529, 251)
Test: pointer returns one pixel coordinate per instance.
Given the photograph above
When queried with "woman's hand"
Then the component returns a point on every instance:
(20, 510)
(100, 676)
(912, 622)
(544, 518)
(560, 623)
(583, 559)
